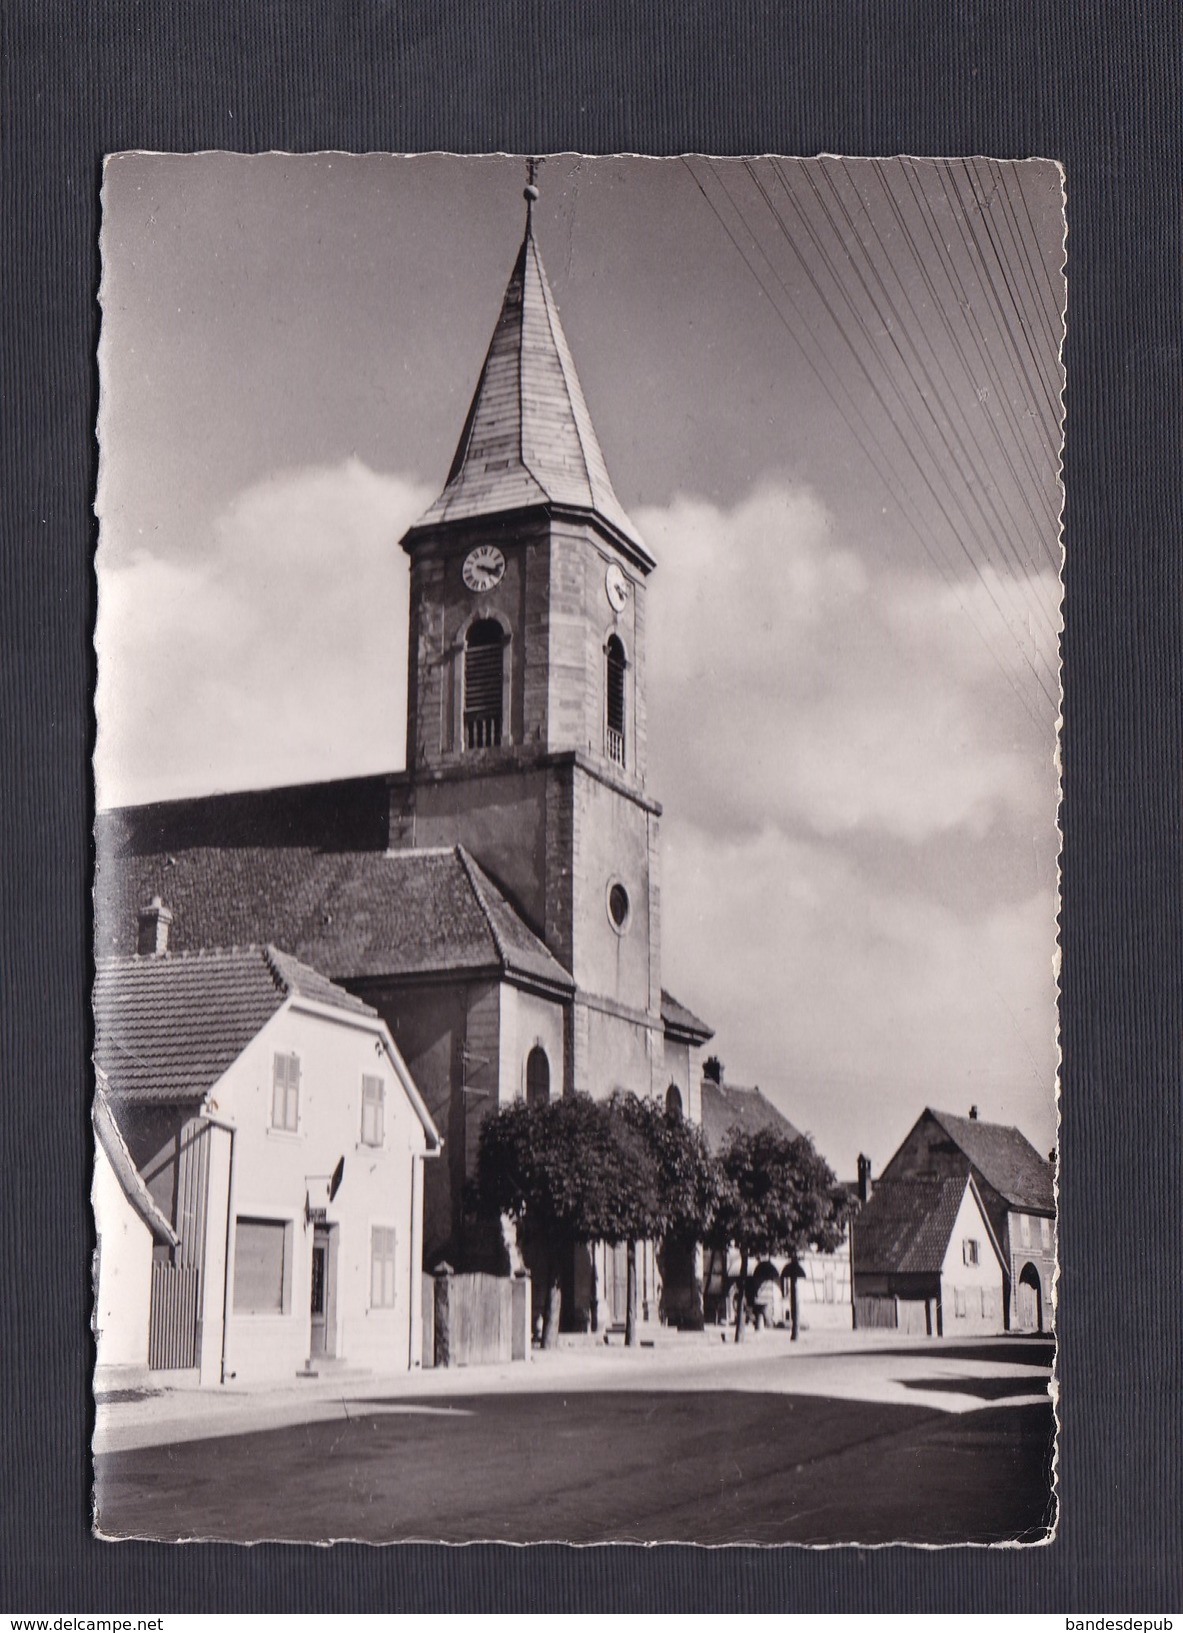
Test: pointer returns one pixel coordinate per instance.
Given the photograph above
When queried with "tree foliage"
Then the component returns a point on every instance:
(777, 1196)
(577, 1170)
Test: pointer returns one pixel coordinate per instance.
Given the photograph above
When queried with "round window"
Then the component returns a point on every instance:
(618, 905)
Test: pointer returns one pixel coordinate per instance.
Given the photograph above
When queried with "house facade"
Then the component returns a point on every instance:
(926, 1259)
(129, 1227)
(498, 901)
(277, 1131)
(1017, 1187)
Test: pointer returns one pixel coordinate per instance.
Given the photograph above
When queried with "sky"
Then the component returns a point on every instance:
(828, 393)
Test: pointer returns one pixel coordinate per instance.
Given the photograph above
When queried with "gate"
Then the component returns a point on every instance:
(172, 1326)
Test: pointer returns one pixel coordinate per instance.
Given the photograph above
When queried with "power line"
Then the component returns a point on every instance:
(945, 427)
(861, 364)
(941, 565)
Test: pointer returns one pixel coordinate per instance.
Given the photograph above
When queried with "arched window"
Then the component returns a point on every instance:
(615, 668)
(673, 1100)
(537, 1077)
(483, 683)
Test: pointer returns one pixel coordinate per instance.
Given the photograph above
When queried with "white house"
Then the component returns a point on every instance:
(128, 1227)
(281, 1137)
(926, 1258)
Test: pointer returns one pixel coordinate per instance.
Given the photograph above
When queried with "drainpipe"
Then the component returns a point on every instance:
(230, 1129)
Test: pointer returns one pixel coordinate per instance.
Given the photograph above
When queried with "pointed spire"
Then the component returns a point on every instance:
(528, 438)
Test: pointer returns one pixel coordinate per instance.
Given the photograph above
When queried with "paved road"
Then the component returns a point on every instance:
(758, 1463)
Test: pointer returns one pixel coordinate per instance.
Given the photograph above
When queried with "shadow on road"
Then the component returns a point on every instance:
(1033, 1352)
(598, 1466)
(983, 1389)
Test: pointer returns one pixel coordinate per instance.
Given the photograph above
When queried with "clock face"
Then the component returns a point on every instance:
(483, 567)
(617, 586)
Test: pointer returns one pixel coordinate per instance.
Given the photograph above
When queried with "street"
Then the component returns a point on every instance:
(937, 1444)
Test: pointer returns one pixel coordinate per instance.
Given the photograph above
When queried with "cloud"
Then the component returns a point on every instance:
(276, 653)
(853, 1004)
(869, 699)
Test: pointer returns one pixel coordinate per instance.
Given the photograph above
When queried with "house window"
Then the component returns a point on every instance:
(382, 1267)
(970, 1251)
(483, 683)
(1045, 1234)
(673, 1100)
(615, 666)
(959, 1301)
(987, 1302)
(373, 1109)
(285, 1093)
(1025, 1229)
(537, 1077)
(262, 1267)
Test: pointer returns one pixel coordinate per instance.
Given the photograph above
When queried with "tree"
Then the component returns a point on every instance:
(777, 1195)
(681, 1179)
(561, 1171)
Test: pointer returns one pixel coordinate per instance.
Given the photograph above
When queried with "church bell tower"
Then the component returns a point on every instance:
(526, 687)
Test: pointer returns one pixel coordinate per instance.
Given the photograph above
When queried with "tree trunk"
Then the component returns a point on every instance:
(739, 1303)
(630, 1301)
(554, 1303)
(793, 1269)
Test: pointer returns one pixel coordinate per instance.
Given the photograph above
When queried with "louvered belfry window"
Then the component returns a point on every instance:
(483, 684)
(616, 665)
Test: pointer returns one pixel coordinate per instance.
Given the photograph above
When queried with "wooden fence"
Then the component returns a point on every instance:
(479, 1319)
(172, 1328)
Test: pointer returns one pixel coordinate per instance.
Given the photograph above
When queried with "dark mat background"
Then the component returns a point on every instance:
(1095, 85)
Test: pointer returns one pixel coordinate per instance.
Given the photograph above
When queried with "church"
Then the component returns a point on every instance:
(498, 901)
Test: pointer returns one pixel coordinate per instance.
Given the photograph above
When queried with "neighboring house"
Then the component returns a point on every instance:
(497, 901)
(926, 1259)
(280, 1138)
(823, 1279)
(129, 1227)
(1017, 1187)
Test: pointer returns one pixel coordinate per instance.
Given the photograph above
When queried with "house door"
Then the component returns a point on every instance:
(1028, 1301)
(322, 1333)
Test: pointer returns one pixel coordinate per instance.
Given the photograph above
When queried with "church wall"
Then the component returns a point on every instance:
(501, 819)
(441, 608)
(612, 843)
(528, 1020)
(448, 1034)
(621, 1053)
(682, 1066)
(581, 619)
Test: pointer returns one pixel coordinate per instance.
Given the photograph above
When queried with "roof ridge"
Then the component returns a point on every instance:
(470, 866)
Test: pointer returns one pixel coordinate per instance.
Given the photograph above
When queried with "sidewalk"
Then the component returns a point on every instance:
(864, 1366)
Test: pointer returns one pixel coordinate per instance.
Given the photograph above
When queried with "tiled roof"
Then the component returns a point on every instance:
(528, 439)
(726, 1106)
(1005, 1159)
(348, 914)
(167, 1027)
(678, 1018)
(131, 1181)
(905, 1226)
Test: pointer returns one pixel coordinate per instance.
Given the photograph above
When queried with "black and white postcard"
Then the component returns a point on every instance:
(576, 849)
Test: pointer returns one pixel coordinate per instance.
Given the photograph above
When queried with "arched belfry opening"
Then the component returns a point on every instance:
(616, 665)
(484, 684)
(673, 1100)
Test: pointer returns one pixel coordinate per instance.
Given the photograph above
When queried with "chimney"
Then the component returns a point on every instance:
(973, 1114)
(864, 1178)
(712, 1069)
(154, 922)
